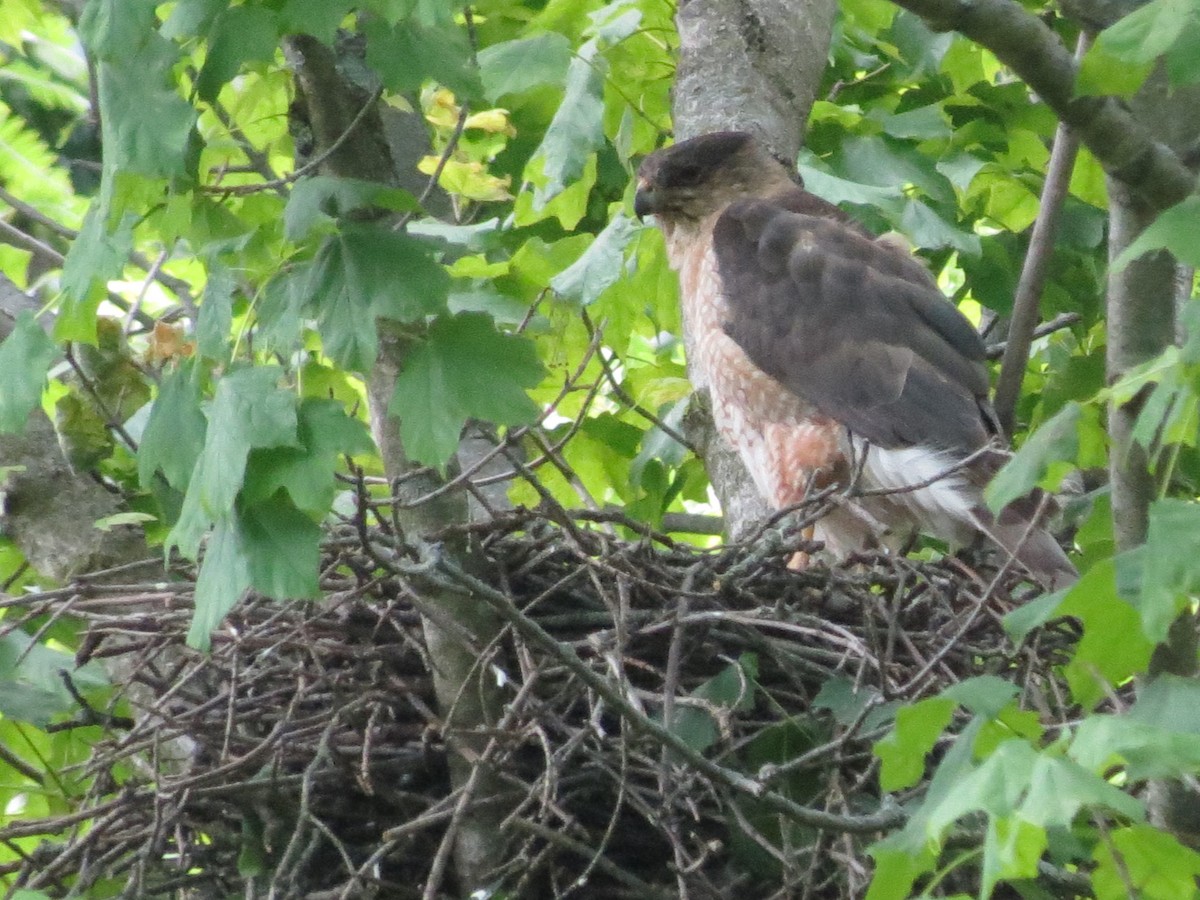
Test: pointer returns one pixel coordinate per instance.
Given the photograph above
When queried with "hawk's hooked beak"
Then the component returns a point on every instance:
(643, 200)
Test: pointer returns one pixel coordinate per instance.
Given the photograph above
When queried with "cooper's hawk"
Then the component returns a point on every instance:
(827, 351)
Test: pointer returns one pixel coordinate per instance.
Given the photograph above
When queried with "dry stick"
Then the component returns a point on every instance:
(466, 793)
(1028, 297)
(449, 576)
(312, 165)
(1059, 322)
(561, 839)
(177, 286)
(19, 238)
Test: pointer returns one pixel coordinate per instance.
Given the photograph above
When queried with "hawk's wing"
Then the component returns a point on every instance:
(855, 327)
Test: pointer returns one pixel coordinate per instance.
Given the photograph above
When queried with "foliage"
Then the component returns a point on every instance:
(539, 307)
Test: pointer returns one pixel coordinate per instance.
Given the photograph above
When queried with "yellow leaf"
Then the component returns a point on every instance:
(441, 110)
(493, 120)
(467, 179)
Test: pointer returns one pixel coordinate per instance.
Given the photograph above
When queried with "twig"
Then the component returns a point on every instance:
(456, 579)
(443, 161)
(1058, 323)
(311, 166)
(1027, 299)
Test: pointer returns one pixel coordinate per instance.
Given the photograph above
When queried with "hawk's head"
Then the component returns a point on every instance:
(693, 179)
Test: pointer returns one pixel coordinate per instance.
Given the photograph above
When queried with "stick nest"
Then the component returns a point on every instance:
(305, 756)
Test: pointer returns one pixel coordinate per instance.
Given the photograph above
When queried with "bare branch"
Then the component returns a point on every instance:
(1027, 302)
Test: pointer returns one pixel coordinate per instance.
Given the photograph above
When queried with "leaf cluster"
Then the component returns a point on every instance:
(219, 302)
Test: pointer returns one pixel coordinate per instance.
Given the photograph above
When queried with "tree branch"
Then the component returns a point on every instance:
(1027, 301)
(1104, 124)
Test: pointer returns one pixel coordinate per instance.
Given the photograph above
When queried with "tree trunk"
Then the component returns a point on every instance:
(748, 65)
(457, 629)
(1141, 309)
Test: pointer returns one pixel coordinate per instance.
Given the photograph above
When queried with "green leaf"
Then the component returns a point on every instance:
(896, 870)
(345, 319)
(1149, 31)
(575, 132)
(465, 368)
(240, 34)
(111, 28)
(600, 267)
(192, 18)
(147, 126)
(25, 357)
(282, 549)
(108, 523)
(408, 54)
(1144, 862)
(1012, 849)
(1055, 442)
(306, 472)
(929, 230)
(216, 313)
(846, 703)
(320, 18)
(23, 702)
(248, 411)
(394, 272)
(870, 15)
(1155, 739)
(1146, 750)
(95, 257)
(364, 272)
(31, 688)
(1060, 788)
(1033, 614)
(1176, 229)
(224, 577)
(840, 190)
(923, 123)
(1113, 646)
(511, 67)
(1169, 702)
(323, 198)
(902, 753)
(174, 434)
(1103, 72)
(1170, 564)
(1183, 59)
(730, 689)
(958, 762)
(984, 695)
(879, 161)
(253, 855)
(569, 205)
(995, 786)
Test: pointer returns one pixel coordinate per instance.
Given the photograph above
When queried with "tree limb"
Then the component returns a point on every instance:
(1027, 300)
(1105, 125)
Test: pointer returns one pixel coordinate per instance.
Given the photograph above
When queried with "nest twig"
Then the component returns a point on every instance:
(679, 721)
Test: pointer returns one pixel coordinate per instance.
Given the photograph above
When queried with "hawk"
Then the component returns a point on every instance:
(830, 354)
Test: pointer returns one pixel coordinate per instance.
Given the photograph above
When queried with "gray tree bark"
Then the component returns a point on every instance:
(49, 509)
(457, 628)
(746, 65)
(1142, 306)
